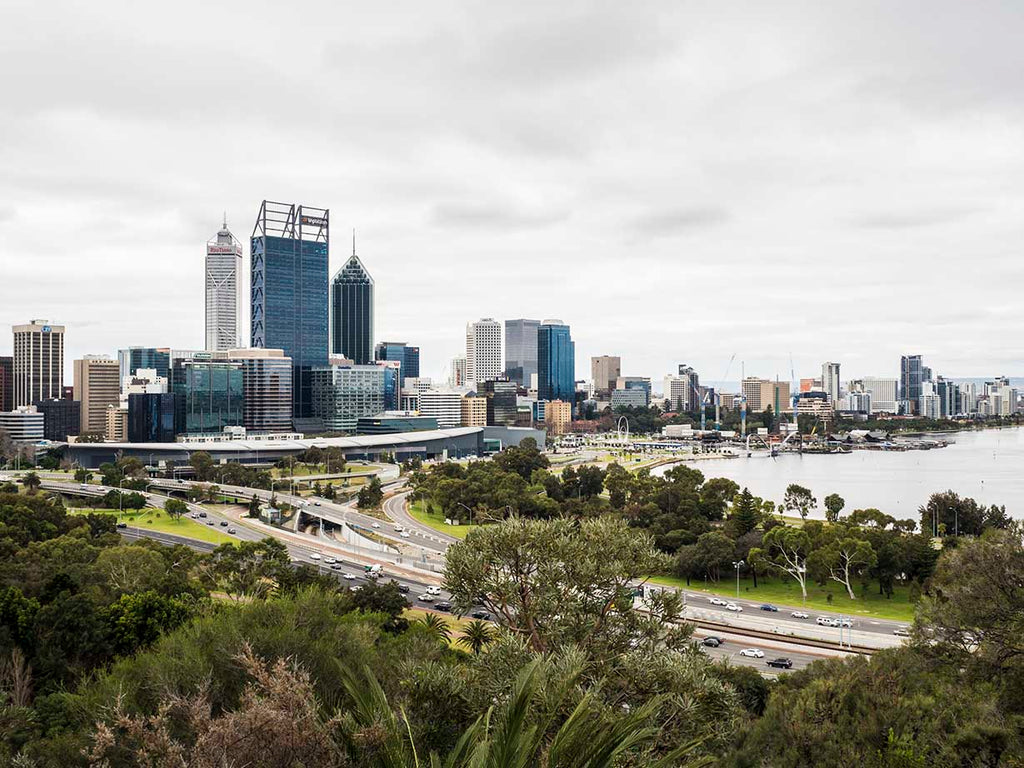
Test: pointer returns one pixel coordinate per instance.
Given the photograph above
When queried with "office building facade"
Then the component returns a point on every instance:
(116, 426)
(604, 372)
(884, 394)
(400, 352)
(97, 385)
(483, 351)
(501, 402)
(457, 372)
(762, 394)
(223, 291)
(209, 395)
(911, 377)
(521, 350)
(25, 424)
(443, 405)
(151, 417)
(830, 381)
(38, 369)
(392, 384)
(133, 359)
(638, 383)
(343, 394)
(266, 387)
(352, 311)
(557, 416)
(629, 398)
(474, 411)
(61, 418)
(6, 384)
(289, 248)
(556, 362)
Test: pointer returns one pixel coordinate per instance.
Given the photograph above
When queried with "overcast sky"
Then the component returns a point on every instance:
(677, 181)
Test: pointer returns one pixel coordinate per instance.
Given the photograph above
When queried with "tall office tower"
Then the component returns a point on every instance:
(209, 394)
(97, 385)
(483, 351)
(884, 394)
(521, 350)
(352, 311)
(134, 358)
(604, 372)
(289, 291)
(223, 290)
(501, 402)
(343, 394)
(830, 381)
(266, 388)
(392, 384)
(38, 362)
(457, 372)
(949, 397)
(556, 362)
(400, 352)
(911, 376)
(764, 393)
(6, 384)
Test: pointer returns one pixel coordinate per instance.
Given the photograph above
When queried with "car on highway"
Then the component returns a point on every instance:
(404, 534)
(481, 615)
(336, 567)
(426, 598)
(398, 528)
(433, 590)
(780, 663)
(734, 608)
(210, 522)
(403, 589)
(315, 556)
(316, 503)
(232, 531)
(348, 576)
(769, 607)
(800, 615)
(717, 601)
(354, 589)
(711, 641)
(223, 523)
(752, 653)
(901, 632)
(202, 514)
(122, 525)
(330, 560)
(844, 622)
(827, 621)
(375, 525)
(443, 606)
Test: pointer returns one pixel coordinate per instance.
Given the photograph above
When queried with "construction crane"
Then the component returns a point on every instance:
(743, 401)
(718, 393)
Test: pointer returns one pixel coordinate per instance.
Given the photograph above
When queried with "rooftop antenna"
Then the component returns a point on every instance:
(353, 241)
(225, 219)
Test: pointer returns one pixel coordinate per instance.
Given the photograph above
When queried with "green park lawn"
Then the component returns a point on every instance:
(158, 520)
(787, 593)
(433, 517)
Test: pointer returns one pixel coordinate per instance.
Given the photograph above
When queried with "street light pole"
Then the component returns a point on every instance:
(737, 564)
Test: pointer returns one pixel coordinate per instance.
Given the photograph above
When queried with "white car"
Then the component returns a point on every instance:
(752, 653)
(799, 615)
(901, 632)
(844, 622)
(348, 577)
(315, 556)
(330, 560)
(426, 598)
(404, 534)
(717, 601)
(375, 525)
(826, 621)
(734, 608)
(398, 528)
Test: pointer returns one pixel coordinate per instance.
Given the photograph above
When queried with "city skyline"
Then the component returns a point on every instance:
(825, 200)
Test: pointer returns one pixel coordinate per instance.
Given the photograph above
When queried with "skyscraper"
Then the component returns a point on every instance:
(209, 394)
(38, 362)
(911, 376)
(266, 388)
(830, 381)
(604, 371)
(223, 287)
(352, 311)
(6, 384)
(400, 352)
(97, 385)
(556, 362)
(134, 358)
(289, 291)
(483, 351)
(521, 350)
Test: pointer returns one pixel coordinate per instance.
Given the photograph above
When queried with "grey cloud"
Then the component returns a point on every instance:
(493, 216)
(912, 219)
(678, 221)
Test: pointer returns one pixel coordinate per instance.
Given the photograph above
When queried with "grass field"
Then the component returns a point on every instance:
(898, 608)
(157, 520)
(435, 519)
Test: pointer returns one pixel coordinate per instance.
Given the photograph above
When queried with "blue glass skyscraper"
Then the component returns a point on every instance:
(352, 311)
(399, 351)
(289, 291)
(556, 362)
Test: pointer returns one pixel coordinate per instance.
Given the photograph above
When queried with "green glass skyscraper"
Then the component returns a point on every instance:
(352, 311)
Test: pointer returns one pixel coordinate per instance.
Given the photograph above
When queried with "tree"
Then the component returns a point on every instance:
(138, 620)
(249, 569)
(834, 504)
(714, 551)
(370, 495)
(522, 459)
(254, 506)
(552, 582)
(31, 482)
(175, 508)
(82, 475)
(786, 549)
(436, 627)
(959, 516)
(476, 635)
(841, 558)
(745, 513)
(798, 499)
(617, 481)
(385, 599)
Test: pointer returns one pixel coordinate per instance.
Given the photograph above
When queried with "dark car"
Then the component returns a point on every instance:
(443, 606)
(482, 615)
(224, 523)
(122, 525)
(202, 514)
(780, 663)
(711, 641)
(769, 607)
(403, 588)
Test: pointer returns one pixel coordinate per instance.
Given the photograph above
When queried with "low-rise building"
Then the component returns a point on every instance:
(474, 411)
(116, 424)
(443, 405)
(25, 424)
(557, 416)
(61, 418)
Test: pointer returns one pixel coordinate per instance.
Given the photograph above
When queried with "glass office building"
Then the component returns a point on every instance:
(60, 418)
(912, 373)
(392, 384)
(556, 362)
(343, 394)
(502, 406)
(289, 291)
(151, 417)
(147, 358)
(521, 350)
(209, 395)
(399, 351)
(352, 311)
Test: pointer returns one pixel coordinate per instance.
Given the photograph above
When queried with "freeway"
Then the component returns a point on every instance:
(394, 508)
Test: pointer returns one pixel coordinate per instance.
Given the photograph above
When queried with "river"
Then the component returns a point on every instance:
(987, 465)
